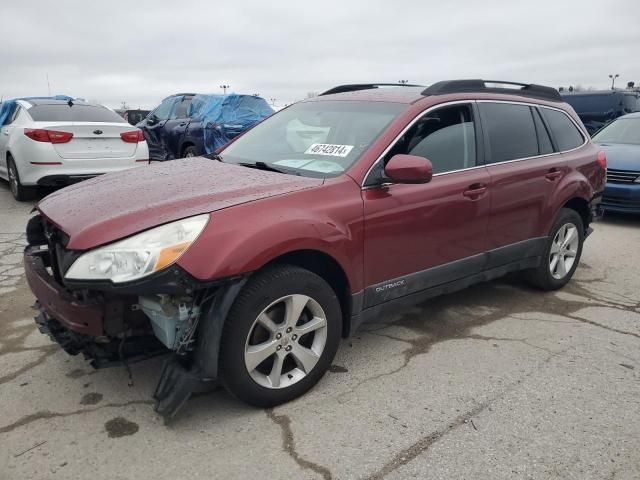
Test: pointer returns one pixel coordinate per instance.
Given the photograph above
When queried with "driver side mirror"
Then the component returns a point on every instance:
(409, 169)
(152, 119)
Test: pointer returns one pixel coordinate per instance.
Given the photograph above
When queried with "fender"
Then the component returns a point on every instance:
(244, 238)
(573, 185)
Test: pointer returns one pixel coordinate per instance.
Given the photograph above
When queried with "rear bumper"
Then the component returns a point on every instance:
(620, 197)
(56, 175)
(62, 180)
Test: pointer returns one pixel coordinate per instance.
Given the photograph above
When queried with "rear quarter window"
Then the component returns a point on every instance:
(75, 113)
(564, 131)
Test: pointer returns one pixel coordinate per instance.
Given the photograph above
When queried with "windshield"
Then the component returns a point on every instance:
(623, 130)
(317, 139)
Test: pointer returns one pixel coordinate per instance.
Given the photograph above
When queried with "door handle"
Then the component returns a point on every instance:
(182, 124)
(475, 191)
(6, 132)
(553, 174)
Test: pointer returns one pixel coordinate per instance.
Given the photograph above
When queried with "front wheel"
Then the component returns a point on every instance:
(280, 336)
(562, 252)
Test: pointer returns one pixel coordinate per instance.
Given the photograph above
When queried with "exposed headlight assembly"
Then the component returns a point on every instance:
(140, 255)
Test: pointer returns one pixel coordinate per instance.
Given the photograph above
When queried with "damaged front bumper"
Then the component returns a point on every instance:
(107, 329)
(120, 324)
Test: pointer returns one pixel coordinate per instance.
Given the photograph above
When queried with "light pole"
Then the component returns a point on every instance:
(403, 82)
(613, 79)
(273, 102)
(224, 88)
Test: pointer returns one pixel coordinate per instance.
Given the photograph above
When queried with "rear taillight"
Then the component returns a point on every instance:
(49, 136)
(602, 160)
(134, 136)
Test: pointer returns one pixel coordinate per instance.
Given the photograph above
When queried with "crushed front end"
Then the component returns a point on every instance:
(114, 324)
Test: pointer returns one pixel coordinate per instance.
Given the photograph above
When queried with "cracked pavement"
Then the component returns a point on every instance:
(498, 381)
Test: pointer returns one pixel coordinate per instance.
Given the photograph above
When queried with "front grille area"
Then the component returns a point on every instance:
(621, 176)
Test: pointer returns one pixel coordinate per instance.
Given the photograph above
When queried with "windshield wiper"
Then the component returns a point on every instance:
(213, 156)
(264, 166)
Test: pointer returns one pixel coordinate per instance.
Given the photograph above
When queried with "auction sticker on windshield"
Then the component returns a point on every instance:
(329, 149)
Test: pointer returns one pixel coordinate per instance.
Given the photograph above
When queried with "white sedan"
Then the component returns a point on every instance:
(56, 142)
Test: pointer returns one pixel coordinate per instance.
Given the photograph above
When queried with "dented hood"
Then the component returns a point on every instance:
(116, 205)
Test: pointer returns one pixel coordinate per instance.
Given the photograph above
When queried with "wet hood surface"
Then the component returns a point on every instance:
(113, 206)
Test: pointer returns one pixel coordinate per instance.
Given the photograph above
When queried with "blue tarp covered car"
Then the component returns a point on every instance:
(6, 107)
(189, 124)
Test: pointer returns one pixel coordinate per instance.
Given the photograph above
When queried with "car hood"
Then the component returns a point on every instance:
(622, 156)
(116, 205)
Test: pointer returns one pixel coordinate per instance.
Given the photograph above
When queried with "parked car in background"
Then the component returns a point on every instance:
(189, 124)
(621, 142)
(337, 210)
(54, 142)
(597, 108)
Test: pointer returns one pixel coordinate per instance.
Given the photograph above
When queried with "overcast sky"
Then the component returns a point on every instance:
(141, 51)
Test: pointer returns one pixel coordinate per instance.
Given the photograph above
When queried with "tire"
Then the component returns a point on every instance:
(190, 151)
(559, 262)
(271, 294)
(19, 191)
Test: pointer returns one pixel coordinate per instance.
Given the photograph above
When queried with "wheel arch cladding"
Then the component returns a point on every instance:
(184, 146)
(574, 192)
(581, 206)
(330, 270)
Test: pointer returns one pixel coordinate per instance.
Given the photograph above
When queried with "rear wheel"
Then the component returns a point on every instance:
(562, 252)
(280, 336)
(190, 152)
(19, 191)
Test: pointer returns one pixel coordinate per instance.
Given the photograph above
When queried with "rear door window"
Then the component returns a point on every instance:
(164, 109)
(564, 131)
(445, 136)
(77, 113)
(181, 108)
(510, 131)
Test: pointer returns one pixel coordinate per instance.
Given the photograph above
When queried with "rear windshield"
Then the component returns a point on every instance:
(76, 113)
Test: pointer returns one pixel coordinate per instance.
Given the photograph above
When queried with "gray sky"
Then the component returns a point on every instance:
(141, 51)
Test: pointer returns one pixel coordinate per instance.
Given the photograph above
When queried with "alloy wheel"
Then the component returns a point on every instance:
(564, 251)
(285, 341)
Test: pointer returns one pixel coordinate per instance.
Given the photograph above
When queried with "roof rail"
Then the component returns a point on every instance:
(364, 86)
(480, 86)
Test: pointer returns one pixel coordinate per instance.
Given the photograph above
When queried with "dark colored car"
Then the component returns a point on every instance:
(189, 124)
(598, 108)
(251, 264)
(621, 142)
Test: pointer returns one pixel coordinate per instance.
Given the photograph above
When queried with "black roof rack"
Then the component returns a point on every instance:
(480, 86)
(354, 87)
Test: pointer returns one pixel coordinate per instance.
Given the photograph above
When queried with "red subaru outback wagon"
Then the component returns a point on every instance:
(251, 264)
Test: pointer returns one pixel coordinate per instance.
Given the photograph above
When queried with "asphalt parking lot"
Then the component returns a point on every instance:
(497, 381)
